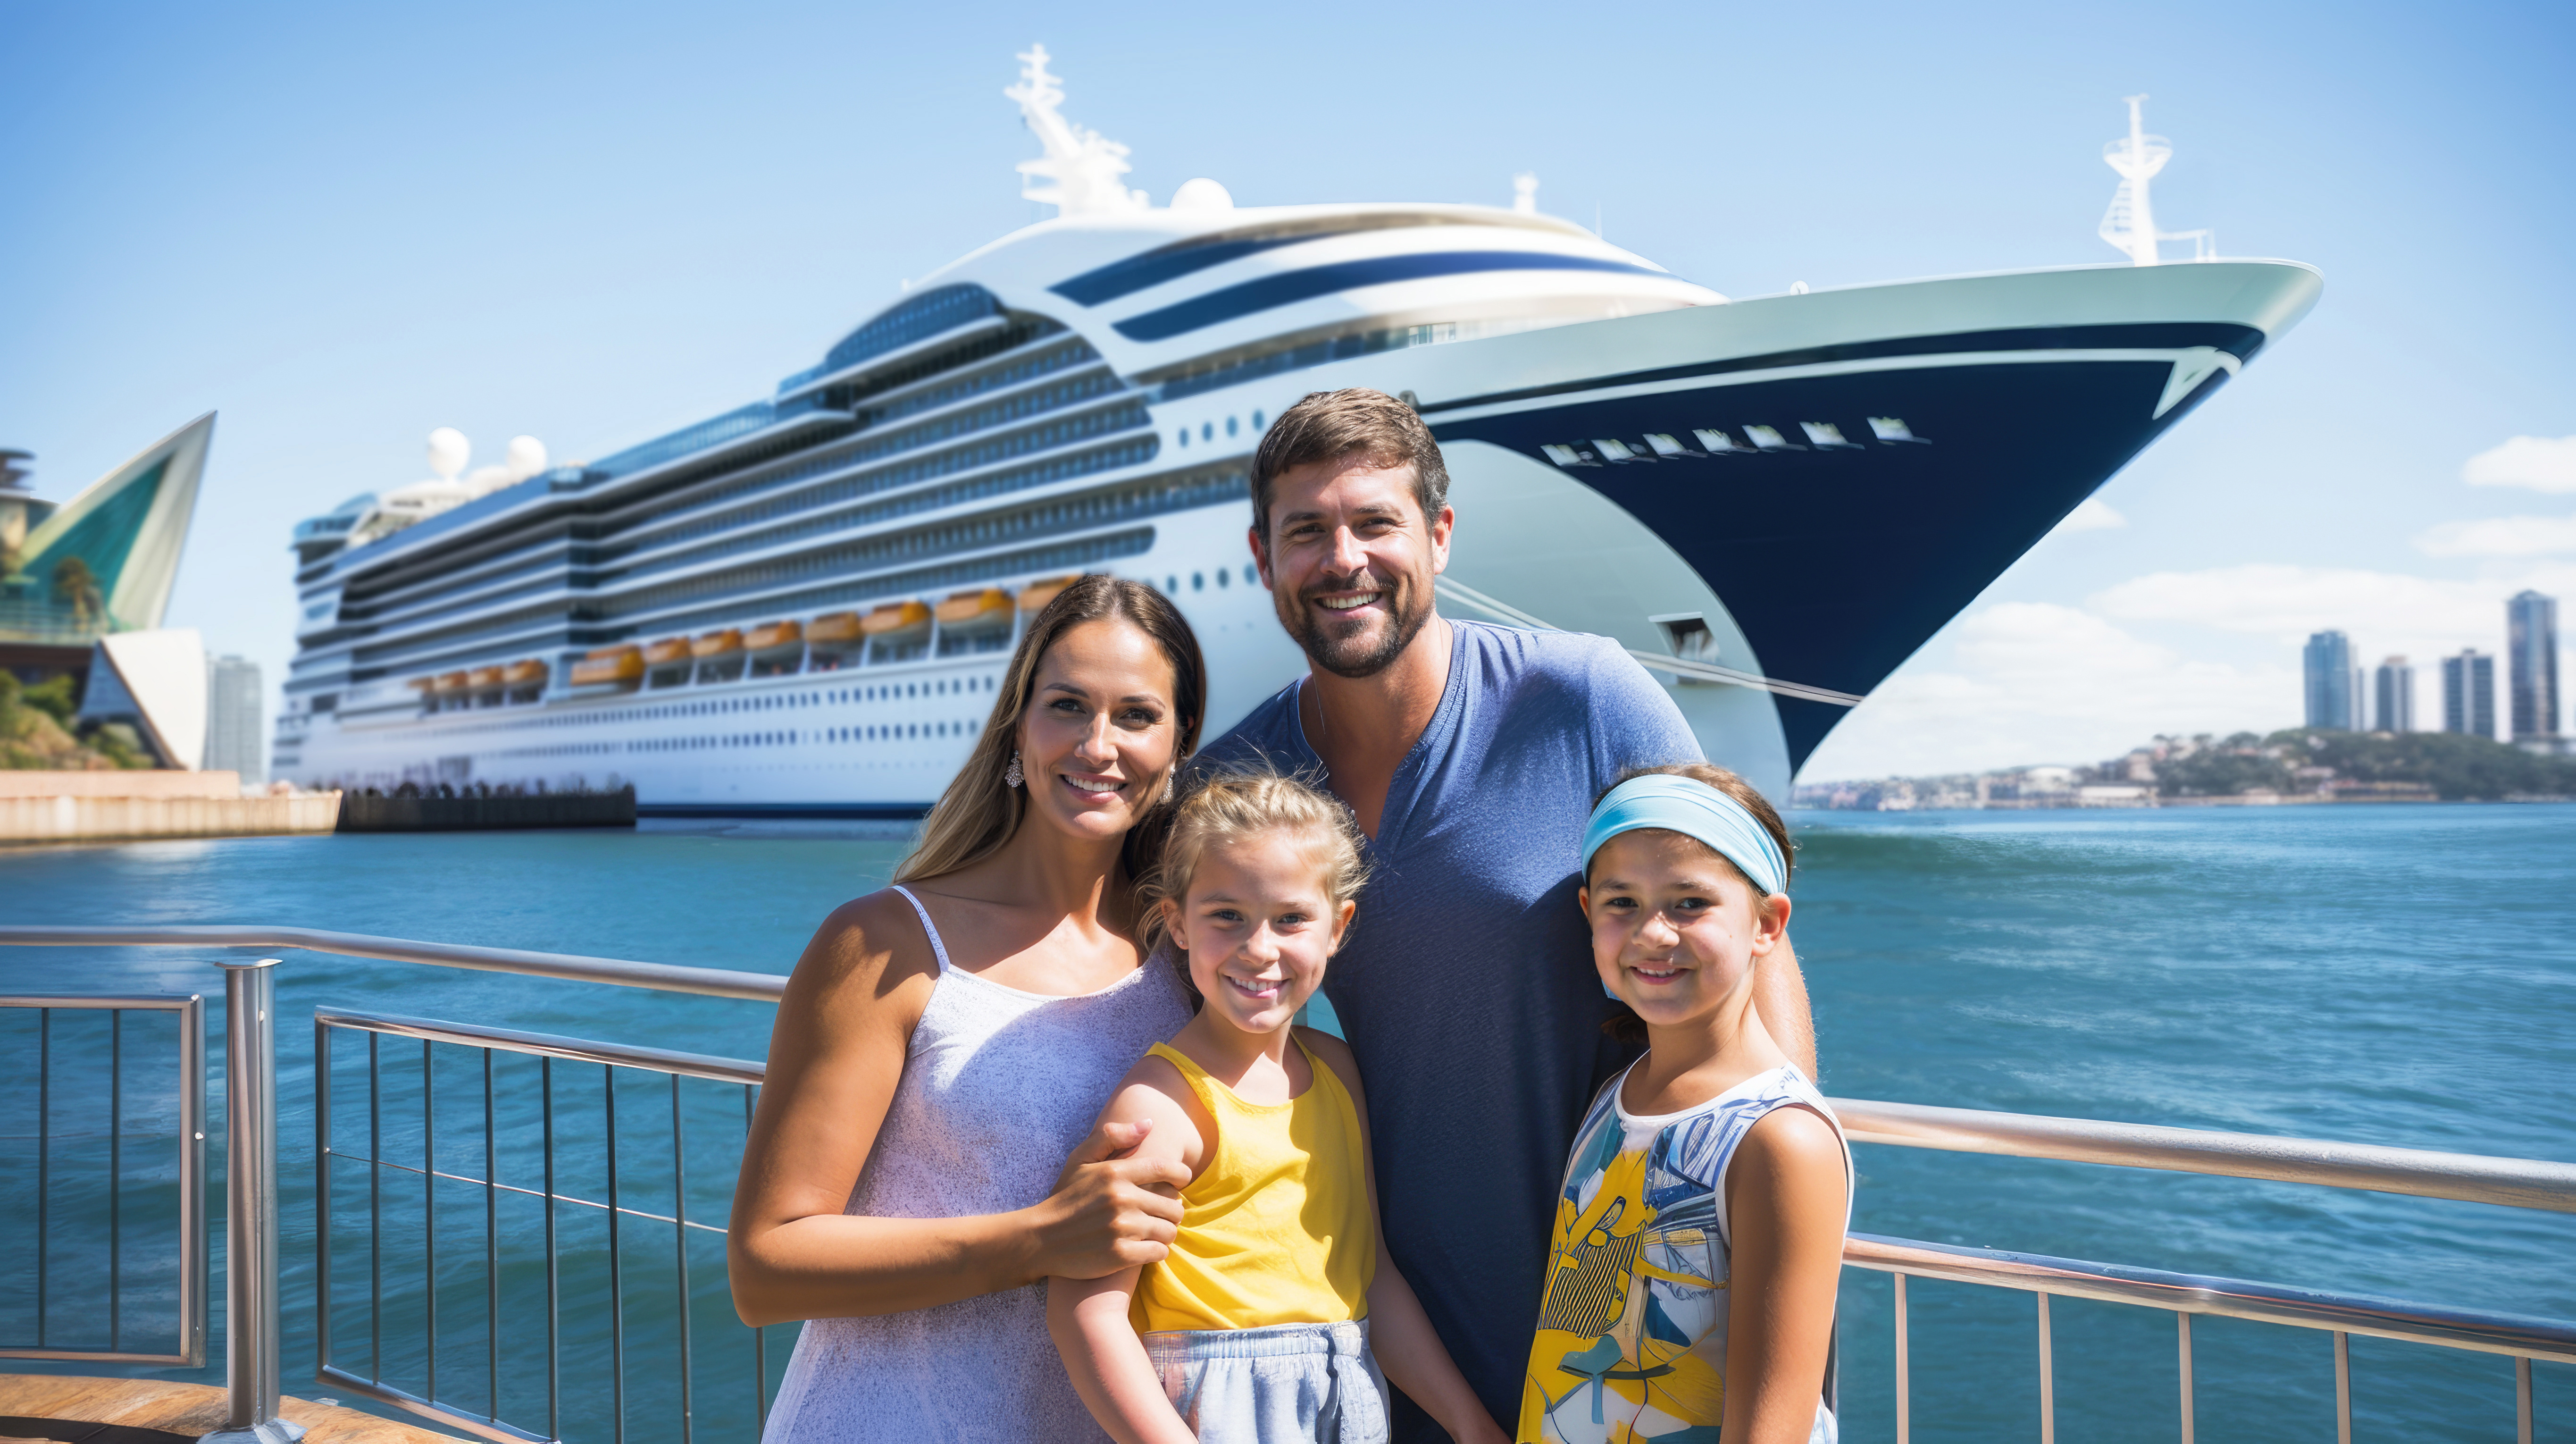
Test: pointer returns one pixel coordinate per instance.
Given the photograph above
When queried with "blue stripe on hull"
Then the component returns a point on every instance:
(1838, 563)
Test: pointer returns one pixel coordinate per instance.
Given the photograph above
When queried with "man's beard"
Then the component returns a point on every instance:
(1358, 655)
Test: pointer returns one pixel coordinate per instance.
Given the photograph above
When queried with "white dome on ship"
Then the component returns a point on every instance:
(1202, 194)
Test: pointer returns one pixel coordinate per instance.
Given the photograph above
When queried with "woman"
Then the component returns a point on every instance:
(945, 1044)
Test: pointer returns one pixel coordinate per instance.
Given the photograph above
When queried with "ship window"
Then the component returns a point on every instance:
(1207, 431)
(1198, 581)
(1185, 436)
(1224, 577)
(1229, 426)
(1256, 421)
(1171, 584)
(1251, 575)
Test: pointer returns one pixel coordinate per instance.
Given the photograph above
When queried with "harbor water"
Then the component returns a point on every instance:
(2399, 975)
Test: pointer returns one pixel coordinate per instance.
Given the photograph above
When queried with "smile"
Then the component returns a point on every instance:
(1347, 601)
(1252, 988)
(1087, 785)
(1656, 975)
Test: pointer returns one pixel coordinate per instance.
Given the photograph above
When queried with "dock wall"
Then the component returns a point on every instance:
(364, 812)
(64, 817)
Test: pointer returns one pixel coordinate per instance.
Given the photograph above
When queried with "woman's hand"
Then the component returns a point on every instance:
(1112, 1209)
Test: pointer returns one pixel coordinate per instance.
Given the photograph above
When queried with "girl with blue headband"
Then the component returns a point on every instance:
(1699, 1230)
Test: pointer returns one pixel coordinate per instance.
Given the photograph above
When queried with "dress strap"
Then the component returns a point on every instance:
(938, 949)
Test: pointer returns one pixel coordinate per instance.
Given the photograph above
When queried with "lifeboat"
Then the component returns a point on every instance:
(896, 621)
(717, 643)
(422, 684)
(833, 627)
(772, 634)
(451, 681)
(608, 667)
(1035, 596)
(832, 641)
(669, 649)
(482, 677)
(519, 674)
(984, 610)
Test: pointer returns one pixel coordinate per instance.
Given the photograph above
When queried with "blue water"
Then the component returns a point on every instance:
(2398, 975)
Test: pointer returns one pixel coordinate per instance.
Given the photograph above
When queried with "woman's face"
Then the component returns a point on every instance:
(1100, 734)
(1258, 927)
(1675, 928)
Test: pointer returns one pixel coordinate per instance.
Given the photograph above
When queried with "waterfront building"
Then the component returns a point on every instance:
(2468, 693)
(234, 731)
(2331, 691)
(101, 563)
(2531, 664)
(803, 605)
(2393, 696)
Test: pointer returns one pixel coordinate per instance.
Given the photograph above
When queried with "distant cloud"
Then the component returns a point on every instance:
(2501, 536)
(2541, 463)
(2038, 682)
(2289, 602)
(2094, 515)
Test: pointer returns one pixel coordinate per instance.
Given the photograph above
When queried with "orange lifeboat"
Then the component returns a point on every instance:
(895, 619)
(669, 649)
(983, 610)
(717, 643)
(451, 681)
(483, 677)
(772, 634)
(1035, 596)
(519, 674)
(608, 667)
(833, 627)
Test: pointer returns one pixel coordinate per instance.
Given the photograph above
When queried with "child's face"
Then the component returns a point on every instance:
(1258, 927)
(1675, 928)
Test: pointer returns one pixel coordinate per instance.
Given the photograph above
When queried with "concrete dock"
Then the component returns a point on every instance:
(53, 807)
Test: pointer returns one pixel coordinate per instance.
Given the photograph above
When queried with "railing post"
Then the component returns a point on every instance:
(250, 1212)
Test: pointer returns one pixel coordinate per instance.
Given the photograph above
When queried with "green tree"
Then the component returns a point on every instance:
(77, 586)
(52, 696)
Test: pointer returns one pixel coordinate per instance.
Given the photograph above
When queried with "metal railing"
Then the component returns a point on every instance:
(188, 1332)
(2515, 1183)
(504, 1247)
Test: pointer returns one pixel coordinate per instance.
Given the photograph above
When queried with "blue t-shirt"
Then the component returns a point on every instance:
(1466, 985)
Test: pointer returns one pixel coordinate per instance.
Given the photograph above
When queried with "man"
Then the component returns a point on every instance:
(1471, 755)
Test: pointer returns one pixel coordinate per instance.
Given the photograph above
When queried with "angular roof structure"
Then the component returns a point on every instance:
(127, 529)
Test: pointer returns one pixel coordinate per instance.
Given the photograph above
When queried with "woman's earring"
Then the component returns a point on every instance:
(1167, 781)
(1012, 776)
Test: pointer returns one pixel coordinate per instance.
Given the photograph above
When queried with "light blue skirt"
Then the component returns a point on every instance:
(1270, 1386)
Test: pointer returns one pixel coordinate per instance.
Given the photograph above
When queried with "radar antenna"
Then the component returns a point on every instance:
(1079, 174)
(2130, 224)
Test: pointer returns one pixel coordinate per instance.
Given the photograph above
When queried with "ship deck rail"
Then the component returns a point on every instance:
(662, 1359)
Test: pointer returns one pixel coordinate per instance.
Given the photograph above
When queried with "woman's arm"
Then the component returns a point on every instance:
(1408, 1349)
(1089, 1317)
(1785, 1207)
(835, 1056)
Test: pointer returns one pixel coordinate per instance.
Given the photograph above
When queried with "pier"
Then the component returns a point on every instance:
(126, 805)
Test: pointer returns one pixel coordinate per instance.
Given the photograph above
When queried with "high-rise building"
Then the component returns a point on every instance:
(233, 730)
(2393, 693)
(2330, 677)
(2531, 664)
(2468, 693)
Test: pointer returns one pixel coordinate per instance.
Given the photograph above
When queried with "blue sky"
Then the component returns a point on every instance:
(343, 226)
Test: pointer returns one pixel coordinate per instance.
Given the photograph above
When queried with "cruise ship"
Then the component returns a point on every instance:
(803, 606)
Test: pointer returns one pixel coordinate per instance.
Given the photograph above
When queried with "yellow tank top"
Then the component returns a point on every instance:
(1276, 1228)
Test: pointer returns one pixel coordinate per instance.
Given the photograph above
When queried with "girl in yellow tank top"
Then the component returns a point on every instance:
(1268, 1318)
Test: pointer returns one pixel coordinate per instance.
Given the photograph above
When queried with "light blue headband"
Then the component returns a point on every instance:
(1693, 809)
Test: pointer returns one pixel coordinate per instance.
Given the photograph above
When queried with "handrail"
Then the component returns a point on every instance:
(548, 1045)
(663, 977)
(2424, 1173)
(2515, 1334)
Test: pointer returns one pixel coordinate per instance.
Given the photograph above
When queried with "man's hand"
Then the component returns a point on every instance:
(1110, 1210)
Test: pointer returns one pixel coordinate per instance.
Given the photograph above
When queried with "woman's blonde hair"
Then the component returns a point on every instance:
(979, 812)
(1225, 809)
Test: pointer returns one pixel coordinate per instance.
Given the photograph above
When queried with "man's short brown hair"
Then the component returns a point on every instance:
(1356, 422)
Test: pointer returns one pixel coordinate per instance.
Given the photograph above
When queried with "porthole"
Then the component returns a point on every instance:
(1224, 577)
(1198, 581)
(1251, 575)
(1171, 584)
(1185, 436)
(1229, 426)
(1207, 431)
(1256, 421)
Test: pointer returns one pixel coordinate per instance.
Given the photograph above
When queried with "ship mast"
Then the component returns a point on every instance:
(2130, 224)
(1079, 174)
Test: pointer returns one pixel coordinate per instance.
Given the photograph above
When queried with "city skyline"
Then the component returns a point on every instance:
(359, 272)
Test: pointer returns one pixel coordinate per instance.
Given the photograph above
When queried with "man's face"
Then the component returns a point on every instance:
(1349, 561)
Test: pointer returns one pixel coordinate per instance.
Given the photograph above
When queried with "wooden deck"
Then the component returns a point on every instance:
(69, 1409)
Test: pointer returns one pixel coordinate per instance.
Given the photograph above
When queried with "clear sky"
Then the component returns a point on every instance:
(341, 226)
